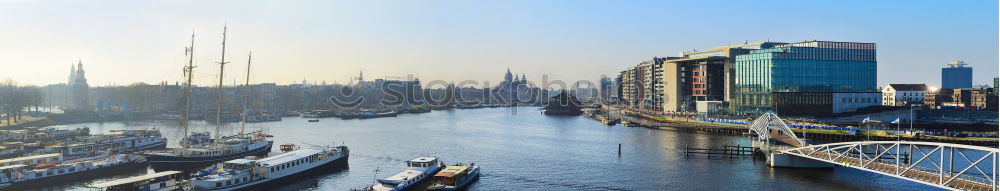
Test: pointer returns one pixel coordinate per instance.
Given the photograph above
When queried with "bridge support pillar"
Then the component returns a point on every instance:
(792, 161)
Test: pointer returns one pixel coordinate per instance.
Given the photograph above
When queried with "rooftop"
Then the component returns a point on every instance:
(132, 179)
(288, 156)
(909, 87)
(451, 171)
(30, 157)
(239, 161)
(423, 159)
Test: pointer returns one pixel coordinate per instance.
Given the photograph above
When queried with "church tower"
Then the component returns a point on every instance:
(81, 91)
(72, 74)
(508, 77)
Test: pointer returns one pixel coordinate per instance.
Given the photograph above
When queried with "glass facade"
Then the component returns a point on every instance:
(956, 77)
(815, 66)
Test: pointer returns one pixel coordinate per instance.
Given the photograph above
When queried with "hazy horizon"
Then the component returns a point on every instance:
(122, 42)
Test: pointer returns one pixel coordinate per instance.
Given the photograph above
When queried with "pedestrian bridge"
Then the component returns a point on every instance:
(770, 127)
(943, 165)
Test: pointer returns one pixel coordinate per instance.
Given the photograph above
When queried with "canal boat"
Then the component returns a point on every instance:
(417, 171)
(160, 181)
(245, 174)
(18, 149)
(119, 141)
(33, 171)
(216, 150)
(33, 134)
(456, 177)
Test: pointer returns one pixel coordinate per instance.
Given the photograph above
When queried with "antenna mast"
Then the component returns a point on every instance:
(222, 67)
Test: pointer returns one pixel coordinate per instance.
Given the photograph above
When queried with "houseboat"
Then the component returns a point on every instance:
(33, 134)
(39, 170)
(245, 174)
(160, 181)
(119, 141)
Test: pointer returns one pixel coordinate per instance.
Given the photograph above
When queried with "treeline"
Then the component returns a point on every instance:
(16, 99)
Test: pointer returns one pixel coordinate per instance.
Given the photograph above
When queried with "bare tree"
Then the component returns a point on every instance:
(9, 100)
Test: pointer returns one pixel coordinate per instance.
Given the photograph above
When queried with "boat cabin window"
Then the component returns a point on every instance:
(418, 164)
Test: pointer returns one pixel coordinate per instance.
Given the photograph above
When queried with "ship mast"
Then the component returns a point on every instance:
(246, 95)
(222, 67)
(189, 72)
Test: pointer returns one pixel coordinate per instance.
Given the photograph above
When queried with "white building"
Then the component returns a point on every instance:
(852, 101)
(903, 94)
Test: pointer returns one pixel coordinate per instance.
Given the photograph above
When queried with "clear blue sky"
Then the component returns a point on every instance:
(128, 41)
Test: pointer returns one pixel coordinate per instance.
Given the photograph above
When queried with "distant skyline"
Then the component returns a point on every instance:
(122, 42)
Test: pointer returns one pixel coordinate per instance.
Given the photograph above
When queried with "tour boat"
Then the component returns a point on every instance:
(160, 181)
(417, 170)
(245, 174)
(455, 177)
(27, 172)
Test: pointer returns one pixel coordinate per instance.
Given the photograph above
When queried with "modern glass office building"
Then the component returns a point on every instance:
(813, 66)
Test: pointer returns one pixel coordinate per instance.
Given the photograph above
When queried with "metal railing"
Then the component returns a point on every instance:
(927, 163)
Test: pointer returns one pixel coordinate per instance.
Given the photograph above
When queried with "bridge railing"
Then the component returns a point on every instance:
(944, 165)
(765, 124)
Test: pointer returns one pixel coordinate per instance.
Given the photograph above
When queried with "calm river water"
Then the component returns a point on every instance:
(520, 149)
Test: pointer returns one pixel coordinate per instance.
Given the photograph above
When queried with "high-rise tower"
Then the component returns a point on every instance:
(956, 75)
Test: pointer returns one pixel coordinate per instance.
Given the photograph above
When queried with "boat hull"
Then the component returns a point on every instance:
(161, 163)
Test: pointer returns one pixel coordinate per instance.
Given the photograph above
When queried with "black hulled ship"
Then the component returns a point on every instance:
(197, 153)
(563, 104)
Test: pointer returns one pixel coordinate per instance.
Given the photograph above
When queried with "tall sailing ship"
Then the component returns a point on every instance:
(200, 153)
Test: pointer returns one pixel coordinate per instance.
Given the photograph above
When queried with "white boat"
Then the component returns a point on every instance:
(160, 181)
(242, 174)
(417, 171)
(28, 172)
